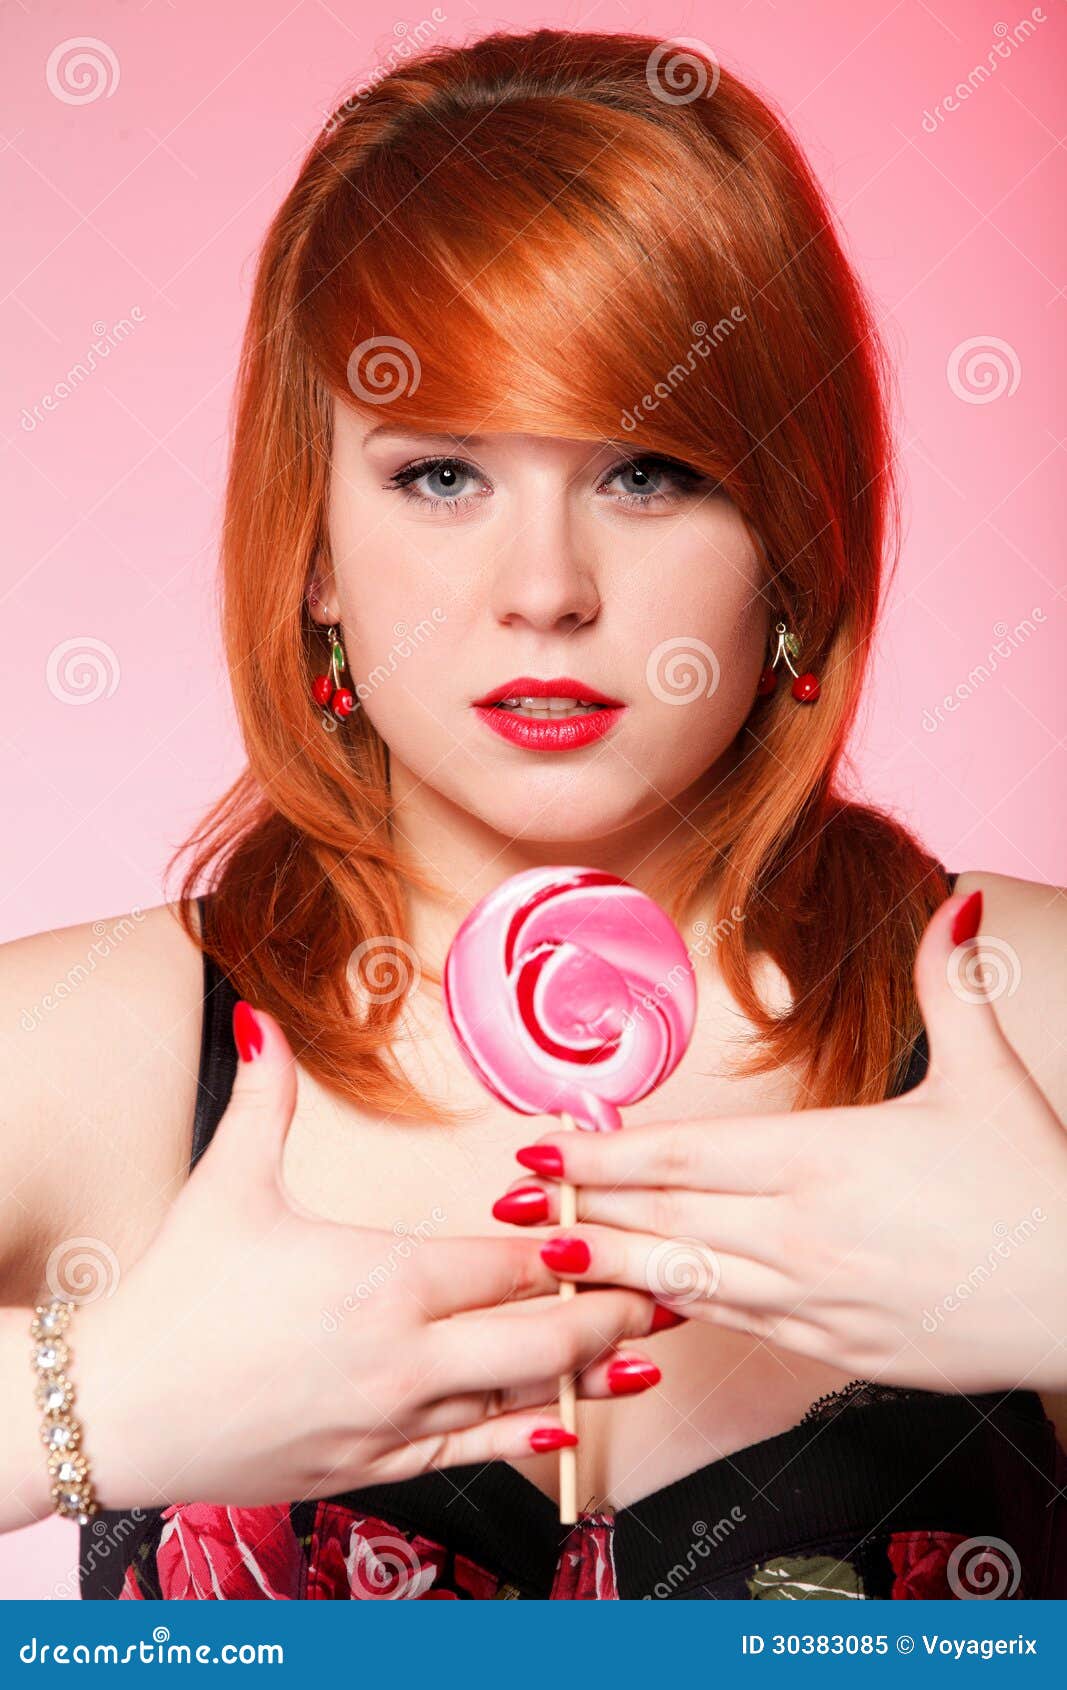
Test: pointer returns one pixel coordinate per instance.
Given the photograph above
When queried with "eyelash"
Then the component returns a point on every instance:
(404, 479)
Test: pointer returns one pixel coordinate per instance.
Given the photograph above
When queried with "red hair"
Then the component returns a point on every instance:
(574, 233)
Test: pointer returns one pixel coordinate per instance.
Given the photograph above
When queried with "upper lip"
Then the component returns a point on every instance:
(556, 686)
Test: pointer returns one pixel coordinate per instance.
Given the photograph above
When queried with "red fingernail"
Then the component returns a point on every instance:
(566, 1255)
(247, 1032)
(524, 1206)
(552, 1437)
(664, 1318)
(968, 919)
(541, 1159)
(629, 1374)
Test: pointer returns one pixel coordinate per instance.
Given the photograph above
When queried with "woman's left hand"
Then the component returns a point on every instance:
(921, 1240)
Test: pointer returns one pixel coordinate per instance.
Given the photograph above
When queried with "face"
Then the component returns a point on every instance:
(465, 569)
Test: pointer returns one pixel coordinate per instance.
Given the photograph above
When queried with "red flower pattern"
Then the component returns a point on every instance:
(208, 1552)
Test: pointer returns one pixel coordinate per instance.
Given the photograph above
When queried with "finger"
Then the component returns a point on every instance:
(250, 1137)
(459, 1274)
(504, 1437)
(682, 1273)
(739, 1153)
(508, 1349)
(745, 1226)
(956, 968)
(468, 1408)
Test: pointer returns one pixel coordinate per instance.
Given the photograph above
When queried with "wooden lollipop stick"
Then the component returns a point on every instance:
(568, 1396)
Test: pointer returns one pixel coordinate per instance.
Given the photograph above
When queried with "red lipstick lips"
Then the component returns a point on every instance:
(587, 716)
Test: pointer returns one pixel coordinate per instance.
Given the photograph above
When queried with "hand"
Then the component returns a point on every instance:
(921, 1240)
(222, 1370)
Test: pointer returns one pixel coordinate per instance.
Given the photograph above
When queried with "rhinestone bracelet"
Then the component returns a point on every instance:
(72, 1487)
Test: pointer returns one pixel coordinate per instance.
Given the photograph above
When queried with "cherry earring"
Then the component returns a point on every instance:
(327, 690)
(805, 688)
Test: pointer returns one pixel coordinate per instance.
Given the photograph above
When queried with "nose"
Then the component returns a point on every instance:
(540, 580)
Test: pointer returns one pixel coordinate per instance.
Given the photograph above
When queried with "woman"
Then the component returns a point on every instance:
(557, 527)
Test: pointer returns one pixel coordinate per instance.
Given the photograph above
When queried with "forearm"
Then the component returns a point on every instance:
(25, 1482)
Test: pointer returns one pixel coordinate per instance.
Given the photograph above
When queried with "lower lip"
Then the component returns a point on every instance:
(543, 733)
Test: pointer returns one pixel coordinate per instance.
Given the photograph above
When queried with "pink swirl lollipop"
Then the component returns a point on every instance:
(569, 991)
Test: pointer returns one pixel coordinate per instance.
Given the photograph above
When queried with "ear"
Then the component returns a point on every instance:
(952, 981)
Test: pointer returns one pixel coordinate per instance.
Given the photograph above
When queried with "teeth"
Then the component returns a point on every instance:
(548, 706)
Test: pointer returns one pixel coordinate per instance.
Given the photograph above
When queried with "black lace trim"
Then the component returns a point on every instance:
(859, 1393)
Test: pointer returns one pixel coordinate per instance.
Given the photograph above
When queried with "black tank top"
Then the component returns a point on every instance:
(876, 1492)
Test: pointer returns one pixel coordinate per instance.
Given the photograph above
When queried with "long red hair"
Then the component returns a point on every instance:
(552, 233)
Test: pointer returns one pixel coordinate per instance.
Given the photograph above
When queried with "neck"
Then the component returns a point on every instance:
(467, 858)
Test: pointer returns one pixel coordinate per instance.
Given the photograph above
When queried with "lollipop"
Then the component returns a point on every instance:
(569, 993)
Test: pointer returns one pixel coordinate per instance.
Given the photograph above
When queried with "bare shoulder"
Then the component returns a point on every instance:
(101, 1026)
(1023, 944)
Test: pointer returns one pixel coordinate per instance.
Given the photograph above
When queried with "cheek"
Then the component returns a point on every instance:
(699, 642)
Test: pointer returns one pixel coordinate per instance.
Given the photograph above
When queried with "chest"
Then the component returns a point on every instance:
(720, 1390)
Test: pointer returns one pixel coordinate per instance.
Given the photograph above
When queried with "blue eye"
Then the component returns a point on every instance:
(451, 473)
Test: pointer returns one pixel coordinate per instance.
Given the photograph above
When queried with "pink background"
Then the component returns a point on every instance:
(148, 202)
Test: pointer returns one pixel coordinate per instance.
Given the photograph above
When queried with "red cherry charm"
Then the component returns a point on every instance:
(806, 688)
(342, 703)
(767, 682)
(320, 692)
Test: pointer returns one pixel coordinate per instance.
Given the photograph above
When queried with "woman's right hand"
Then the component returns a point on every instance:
(211, 1374)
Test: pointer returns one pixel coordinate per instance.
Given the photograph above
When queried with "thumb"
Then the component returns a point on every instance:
(958, 971)
(250, 1137)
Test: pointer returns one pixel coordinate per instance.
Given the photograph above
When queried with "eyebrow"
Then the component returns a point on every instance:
(417, 434)
(394, 432)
